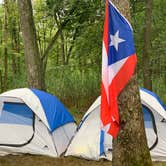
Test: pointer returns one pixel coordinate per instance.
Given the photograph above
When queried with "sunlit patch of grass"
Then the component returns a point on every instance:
(35, 160)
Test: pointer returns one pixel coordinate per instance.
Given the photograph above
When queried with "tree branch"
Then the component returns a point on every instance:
(60, 27)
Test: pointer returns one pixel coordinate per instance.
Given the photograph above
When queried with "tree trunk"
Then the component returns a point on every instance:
(5, 68)
(6, 43)
(32, 57)
(14, 43)
(13, 33)
(18, 65)
(130, 147)
(18, 60)
(62, 48)
(147, 39)
(1, 75)
(71, 46)
(1, 82)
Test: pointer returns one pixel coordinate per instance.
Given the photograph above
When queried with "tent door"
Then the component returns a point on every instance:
(150, 127)
(16, 124)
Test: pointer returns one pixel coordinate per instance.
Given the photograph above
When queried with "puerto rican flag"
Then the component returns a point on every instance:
(118, 65)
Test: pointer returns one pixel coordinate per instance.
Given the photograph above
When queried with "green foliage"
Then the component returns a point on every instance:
(158, 50)
(77, 81)
(88, 45)
(75, 86)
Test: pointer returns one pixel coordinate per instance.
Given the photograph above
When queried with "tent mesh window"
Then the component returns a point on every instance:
(15, 119)
(150, 126)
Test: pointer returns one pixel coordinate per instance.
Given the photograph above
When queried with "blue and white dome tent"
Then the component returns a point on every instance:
(98, 144)
(33, 121)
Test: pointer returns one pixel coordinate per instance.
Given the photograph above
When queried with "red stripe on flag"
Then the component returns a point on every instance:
(116, 86)
(124, 74)
(105, 33)
(105, 113)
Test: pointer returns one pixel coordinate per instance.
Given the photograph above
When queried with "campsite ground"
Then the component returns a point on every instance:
(30, 160)
(34, 160)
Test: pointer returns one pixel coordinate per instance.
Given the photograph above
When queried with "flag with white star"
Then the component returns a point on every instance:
(118, 65)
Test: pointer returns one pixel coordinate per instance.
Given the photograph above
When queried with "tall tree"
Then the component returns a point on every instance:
(13, 33)
(147, 45)
(32, 57)
(130, 147)
(6, 43)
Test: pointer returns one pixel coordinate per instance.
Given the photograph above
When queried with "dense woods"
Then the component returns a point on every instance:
(56, 46)
(69, 37)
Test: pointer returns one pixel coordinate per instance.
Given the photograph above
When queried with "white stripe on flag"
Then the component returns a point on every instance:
(109, 72)
(114, 69)
(105, 70)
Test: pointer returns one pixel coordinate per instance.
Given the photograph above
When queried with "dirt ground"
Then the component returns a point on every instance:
(32, 160)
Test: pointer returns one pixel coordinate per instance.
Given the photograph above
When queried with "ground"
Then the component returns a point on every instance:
(33, 160)
(30, 160)
(36, 160)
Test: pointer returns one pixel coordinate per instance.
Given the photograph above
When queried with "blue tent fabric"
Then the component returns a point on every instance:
(56, 113)
(147, 118)
(101, 142)
(155, 96)
(16, 113)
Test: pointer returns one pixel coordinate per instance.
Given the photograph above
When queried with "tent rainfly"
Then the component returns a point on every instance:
(91, 142)
(35, 122)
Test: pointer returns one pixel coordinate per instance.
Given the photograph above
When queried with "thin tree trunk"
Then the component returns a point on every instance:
(62, 48)
(1, 82)
(1, 75)
(71, 47)
(5, 49)
(13, 33)
(147, 45)
(57, 58)
(18, 38)
(18, 67)
(130, 147)
(32, 57)
(14, 42)
(18, 60)
(6, 69)
(62, 44)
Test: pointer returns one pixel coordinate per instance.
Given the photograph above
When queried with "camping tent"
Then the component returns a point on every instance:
(33, 121)
(91, 142)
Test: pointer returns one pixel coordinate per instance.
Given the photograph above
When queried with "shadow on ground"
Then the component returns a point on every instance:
(33, 160)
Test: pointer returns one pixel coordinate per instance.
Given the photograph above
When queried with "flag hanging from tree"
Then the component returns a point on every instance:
(118, 65)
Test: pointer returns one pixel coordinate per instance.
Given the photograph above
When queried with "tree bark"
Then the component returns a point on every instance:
(18, 65)
(5, 48)
(62, 48)
(14, 45)
(71, 46)
(130, 147)
(32, 57)
(13, 30)
(1, 73)
(147, 45)
(1, 82)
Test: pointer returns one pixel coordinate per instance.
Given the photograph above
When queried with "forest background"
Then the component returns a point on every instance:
(69, 37)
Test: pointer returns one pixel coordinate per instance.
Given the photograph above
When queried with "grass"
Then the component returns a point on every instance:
(29, 160)
(36, 160)
(33, 160)
(77, 90)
